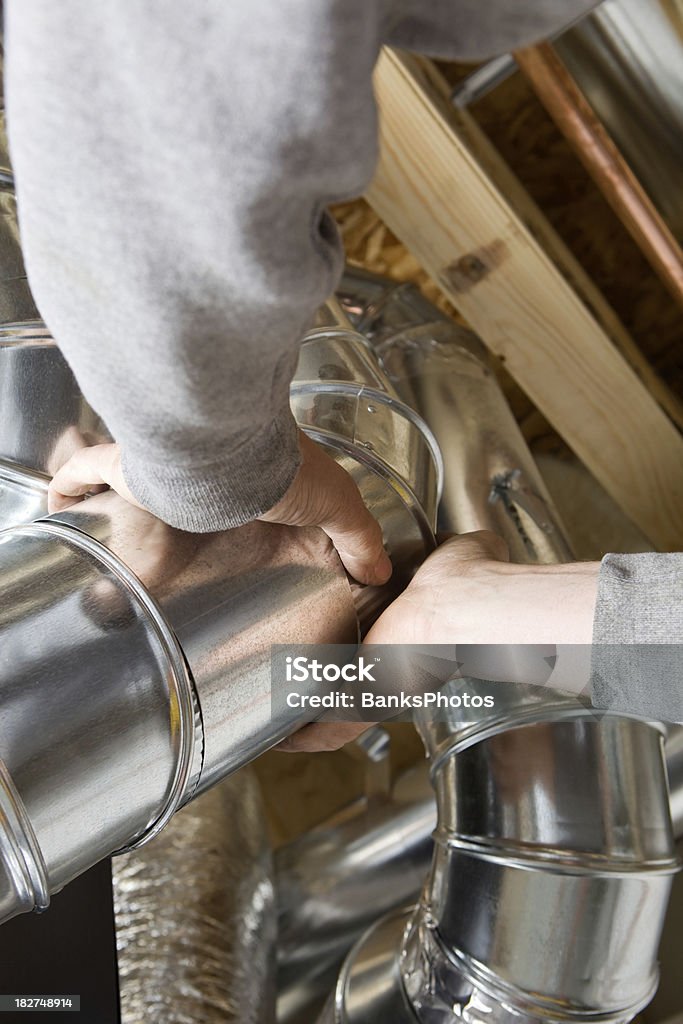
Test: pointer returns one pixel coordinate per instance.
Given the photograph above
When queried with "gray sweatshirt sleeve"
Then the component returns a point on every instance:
(174, 162)
(637, 657)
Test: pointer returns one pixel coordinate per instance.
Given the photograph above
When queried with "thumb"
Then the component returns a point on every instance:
(323, 494)
(356, 534)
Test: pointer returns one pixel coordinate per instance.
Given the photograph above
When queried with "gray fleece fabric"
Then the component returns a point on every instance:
(637, 655)
(174, 162)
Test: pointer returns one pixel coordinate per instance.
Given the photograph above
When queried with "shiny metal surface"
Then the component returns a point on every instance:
(195, 916)
(228, 597)
(370, 987)
(674, 766)
(322, 907)
(628, 59)
(483, 80)
(16, 301)
(92, 728)
(92, 689)
(336, 880)
(339, 355)
(554, 849)
(44, 415)
(526, 913)
(173, 632)
(23, 495)
(588, 852)
(23, 875)
(519, 816)
(563, 912)
(342, 399)
(441, 370)
(44, 419)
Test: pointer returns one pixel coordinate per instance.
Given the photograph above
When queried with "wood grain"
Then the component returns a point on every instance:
(491, 162)
(436, 197)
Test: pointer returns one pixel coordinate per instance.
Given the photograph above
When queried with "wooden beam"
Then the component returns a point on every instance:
(446, 209)
(492, 163)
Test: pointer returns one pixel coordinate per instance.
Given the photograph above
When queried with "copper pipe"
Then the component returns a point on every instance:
(577, 121)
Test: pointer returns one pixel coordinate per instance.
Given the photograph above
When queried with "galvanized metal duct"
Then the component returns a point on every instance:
(44, 415)
(336, 880)
(554, 849)
(490, 478)
(674, 767)
(44, 419)
(16, 301)
(135, 659)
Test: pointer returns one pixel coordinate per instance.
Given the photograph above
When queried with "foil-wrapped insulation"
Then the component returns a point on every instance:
(195, 916)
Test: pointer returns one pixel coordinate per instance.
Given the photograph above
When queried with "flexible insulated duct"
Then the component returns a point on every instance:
(135, 660)
(195, 915)
(554, 849)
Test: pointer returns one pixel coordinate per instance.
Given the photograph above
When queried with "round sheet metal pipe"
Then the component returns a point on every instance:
(135, 659)
(554, 849)
(44, 419)
(336, 880)
(342, 876)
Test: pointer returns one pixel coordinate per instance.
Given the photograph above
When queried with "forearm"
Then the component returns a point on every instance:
(617, 627)
(545, 604)
(172, 176)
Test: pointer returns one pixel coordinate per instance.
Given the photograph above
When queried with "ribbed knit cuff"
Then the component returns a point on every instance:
(222, 494)
(637, 658)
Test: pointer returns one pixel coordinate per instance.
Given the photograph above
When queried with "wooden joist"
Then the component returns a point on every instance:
(443, 205)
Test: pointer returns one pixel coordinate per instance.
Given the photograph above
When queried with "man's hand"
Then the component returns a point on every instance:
(319, 736)
(88, 471)
(322, 494)
(467, 592)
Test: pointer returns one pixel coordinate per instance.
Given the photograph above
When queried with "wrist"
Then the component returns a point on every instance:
(545, 604)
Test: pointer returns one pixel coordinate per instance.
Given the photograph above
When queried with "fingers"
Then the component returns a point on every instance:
(322, 736)
(356, 534)
(324, 495)
(88, 471)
